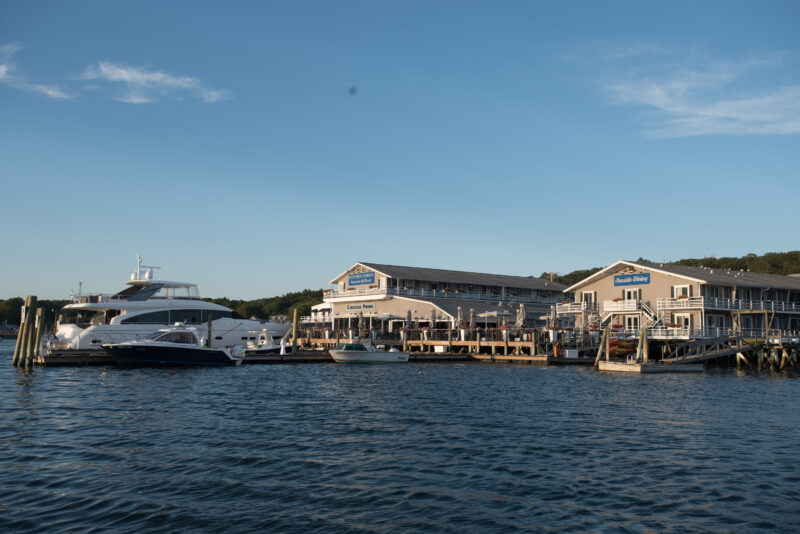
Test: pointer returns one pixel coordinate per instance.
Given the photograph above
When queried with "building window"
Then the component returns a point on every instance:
(680, 291)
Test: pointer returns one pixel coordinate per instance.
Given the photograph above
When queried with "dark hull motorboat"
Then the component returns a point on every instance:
(137, 354)
(172, 346)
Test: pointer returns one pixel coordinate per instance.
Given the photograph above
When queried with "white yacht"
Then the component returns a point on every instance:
(147, 305)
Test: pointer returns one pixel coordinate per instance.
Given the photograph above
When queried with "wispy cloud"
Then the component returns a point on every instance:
(710, 98)
(142, 85)
(10, 78)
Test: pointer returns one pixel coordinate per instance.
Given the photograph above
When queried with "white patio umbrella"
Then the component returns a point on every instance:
(471, 318)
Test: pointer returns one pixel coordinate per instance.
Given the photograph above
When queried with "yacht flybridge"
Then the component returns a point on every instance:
(147, 305)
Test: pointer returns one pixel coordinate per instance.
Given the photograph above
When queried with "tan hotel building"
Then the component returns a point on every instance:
(677, 300)
(389, 296)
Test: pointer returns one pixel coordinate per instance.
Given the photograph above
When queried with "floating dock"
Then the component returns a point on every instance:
(649, 368)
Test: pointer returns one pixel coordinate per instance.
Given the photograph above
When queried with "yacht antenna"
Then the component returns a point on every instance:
(139, 266)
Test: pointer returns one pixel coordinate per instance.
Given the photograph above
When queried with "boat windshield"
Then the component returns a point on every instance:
(181, 292)
(351, 346)
(154, 335)
(175, 337)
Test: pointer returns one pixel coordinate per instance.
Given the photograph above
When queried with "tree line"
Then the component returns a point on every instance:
(263, 308)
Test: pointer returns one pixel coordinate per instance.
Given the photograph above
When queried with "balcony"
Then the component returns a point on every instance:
(612, 306)
(708, 303)
(377, 292)
(574, 308)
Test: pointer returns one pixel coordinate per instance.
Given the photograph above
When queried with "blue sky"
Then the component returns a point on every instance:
(259, 148)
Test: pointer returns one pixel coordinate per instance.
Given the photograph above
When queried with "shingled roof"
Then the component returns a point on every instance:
(705, 275)
(463, 277)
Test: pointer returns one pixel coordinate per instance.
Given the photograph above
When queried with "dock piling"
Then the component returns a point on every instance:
(23, 318)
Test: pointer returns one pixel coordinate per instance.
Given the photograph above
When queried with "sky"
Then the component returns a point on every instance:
(257, 148)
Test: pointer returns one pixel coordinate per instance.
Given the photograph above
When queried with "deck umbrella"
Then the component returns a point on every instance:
(520, 316)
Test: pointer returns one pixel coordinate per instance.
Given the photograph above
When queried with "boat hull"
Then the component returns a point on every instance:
(343, 356)
(168, 356)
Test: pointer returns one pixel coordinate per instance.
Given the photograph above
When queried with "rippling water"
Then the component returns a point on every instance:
(436, 448)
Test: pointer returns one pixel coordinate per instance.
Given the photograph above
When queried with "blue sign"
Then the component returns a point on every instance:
(360, 279)
(638, 279)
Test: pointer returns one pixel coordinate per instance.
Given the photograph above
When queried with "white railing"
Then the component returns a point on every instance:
(709, 332)
(611, 306)
(726, 304)
(571, 308)
(441, 294)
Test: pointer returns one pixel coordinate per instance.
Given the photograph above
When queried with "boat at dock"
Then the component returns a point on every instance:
(360, 353)
(173, 346)
(147, 304)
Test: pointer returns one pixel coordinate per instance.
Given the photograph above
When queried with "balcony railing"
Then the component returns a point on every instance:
(441, 294)
(572, 308)
(630, 305)
(696, 303)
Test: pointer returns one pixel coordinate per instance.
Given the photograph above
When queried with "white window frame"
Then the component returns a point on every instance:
(678, 290)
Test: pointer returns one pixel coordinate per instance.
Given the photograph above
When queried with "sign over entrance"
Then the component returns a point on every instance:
(637, 279)
(360, 279)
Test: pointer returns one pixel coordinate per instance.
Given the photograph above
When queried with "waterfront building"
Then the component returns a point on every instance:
(385, 297)
(683, 301)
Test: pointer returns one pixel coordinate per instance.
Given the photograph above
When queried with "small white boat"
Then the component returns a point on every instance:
(359, 353)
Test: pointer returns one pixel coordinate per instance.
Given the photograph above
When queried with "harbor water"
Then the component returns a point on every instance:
(396, 448)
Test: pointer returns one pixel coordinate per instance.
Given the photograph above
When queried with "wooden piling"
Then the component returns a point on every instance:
(36, 339)
(31, 336)
(26, 340)
(294, 331)
(603, 349)
(23, 318)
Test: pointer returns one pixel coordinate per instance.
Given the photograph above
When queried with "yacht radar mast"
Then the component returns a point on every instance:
(148, 275)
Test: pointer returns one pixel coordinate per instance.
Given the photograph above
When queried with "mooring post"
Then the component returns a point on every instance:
(39, 332)
(30, 325)
(449, 341)
(208, 339)
(294, 331)
(23, 318)
(602, 348)
(31, 335)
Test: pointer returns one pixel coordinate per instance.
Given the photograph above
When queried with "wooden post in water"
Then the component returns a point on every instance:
(294, 331)
(36, 338)
(208, 339)
(23, 318)
(30, 344)
(741, 358)
(27, 343)
(603, 347)
(449, 341)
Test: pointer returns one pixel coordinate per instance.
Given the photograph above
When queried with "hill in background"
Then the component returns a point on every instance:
(263, 308)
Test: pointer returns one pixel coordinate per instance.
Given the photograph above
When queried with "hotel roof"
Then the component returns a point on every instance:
(460, 277)
(704, 275)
